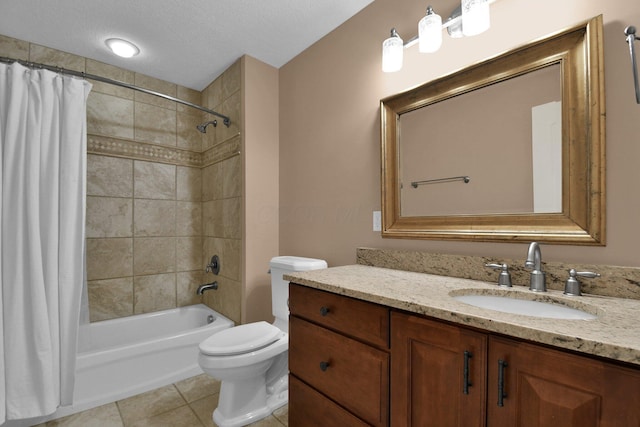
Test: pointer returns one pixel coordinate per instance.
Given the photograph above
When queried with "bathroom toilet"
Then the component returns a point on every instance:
(251, 360)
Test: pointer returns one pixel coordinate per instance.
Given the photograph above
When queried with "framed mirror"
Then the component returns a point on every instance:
(510, 149)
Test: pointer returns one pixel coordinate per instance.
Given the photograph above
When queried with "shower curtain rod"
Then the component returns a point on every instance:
(82, 74)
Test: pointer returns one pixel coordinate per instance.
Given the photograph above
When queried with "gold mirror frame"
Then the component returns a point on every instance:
(579, 52)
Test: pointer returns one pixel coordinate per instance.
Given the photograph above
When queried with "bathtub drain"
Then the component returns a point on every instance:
(210, 318)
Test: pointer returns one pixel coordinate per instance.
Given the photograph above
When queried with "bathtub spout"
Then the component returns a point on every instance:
(206, 287)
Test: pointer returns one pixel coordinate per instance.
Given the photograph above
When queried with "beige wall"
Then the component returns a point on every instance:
(329, 127)
(261, 172)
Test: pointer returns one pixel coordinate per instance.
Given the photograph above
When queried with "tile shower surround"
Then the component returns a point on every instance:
(166, 223)
(161, 197)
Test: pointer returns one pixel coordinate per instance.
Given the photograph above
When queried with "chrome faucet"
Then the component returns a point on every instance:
(206, 287)
(537, 281)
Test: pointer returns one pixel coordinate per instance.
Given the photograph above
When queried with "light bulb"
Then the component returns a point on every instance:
(122, 48)
(430, 32)
(476, 17)
(392, 53)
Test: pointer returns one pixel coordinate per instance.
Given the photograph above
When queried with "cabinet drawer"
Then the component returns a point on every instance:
(309, 408)
(359, 319)
(355, 374)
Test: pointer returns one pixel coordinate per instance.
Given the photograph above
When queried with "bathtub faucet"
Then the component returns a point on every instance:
(206, 287)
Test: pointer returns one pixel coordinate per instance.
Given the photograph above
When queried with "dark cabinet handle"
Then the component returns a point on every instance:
(501, 393)
(465, 381)
(324, 366)
(324, 311)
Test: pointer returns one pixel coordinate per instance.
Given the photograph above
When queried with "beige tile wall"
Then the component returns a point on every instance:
(222, 194)
(161, 197)
(144, 226)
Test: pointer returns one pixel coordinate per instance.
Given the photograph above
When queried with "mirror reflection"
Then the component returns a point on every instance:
(505, 137)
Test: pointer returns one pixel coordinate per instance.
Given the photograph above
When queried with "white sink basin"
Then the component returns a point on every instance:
(524, 307)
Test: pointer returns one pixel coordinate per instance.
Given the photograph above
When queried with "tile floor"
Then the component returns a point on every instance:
(188, 403)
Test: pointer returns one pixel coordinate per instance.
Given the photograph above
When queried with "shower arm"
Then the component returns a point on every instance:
(226, 120)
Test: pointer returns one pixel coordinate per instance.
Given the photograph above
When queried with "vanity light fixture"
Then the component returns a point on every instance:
(392, 53)
(471, 18)
(430, 32)
(122, 48)
(476, 18)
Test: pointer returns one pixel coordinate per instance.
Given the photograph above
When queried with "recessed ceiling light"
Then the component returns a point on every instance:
(122, 48)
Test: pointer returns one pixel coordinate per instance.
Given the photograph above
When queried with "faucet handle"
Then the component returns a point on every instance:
(572, 285)
(504, 279)
(587, 274)
(213, 266)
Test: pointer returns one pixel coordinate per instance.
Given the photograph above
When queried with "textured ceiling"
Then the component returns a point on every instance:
(188, 42)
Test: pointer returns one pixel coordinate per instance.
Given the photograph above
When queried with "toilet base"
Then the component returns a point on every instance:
(249, 391)
(272, 403)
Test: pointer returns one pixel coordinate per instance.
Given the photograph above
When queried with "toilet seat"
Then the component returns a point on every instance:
(240, 339)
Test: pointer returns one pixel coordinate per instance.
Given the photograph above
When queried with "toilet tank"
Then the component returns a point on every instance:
(280, 266)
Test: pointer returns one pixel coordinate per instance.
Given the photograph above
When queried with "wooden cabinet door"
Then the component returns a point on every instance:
(433, 383)
(545, 387)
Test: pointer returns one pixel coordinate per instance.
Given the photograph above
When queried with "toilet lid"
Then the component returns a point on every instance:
(240, 339)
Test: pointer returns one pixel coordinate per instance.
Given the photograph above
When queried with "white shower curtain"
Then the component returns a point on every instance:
(42, 208)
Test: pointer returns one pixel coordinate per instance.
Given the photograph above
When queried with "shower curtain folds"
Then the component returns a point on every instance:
(42, 217)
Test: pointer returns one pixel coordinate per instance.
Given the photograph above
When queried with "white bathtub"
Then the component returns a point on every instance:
(122, 357)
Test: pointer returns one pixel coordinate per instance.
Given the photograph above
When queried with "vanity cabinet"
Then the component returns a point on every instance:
(443, 374)
(338, 360)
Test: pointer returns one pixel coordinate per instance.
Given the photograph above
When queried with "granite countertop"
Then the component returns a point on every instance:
(614, 334)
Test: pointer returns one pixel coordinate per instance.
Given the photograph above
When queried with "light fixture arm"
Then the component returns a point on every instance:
(630, 32)
(448, 23)
(451, 21)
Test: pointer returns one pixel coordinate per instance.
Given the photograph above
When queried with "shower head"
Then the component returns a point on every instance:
(203, 127)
